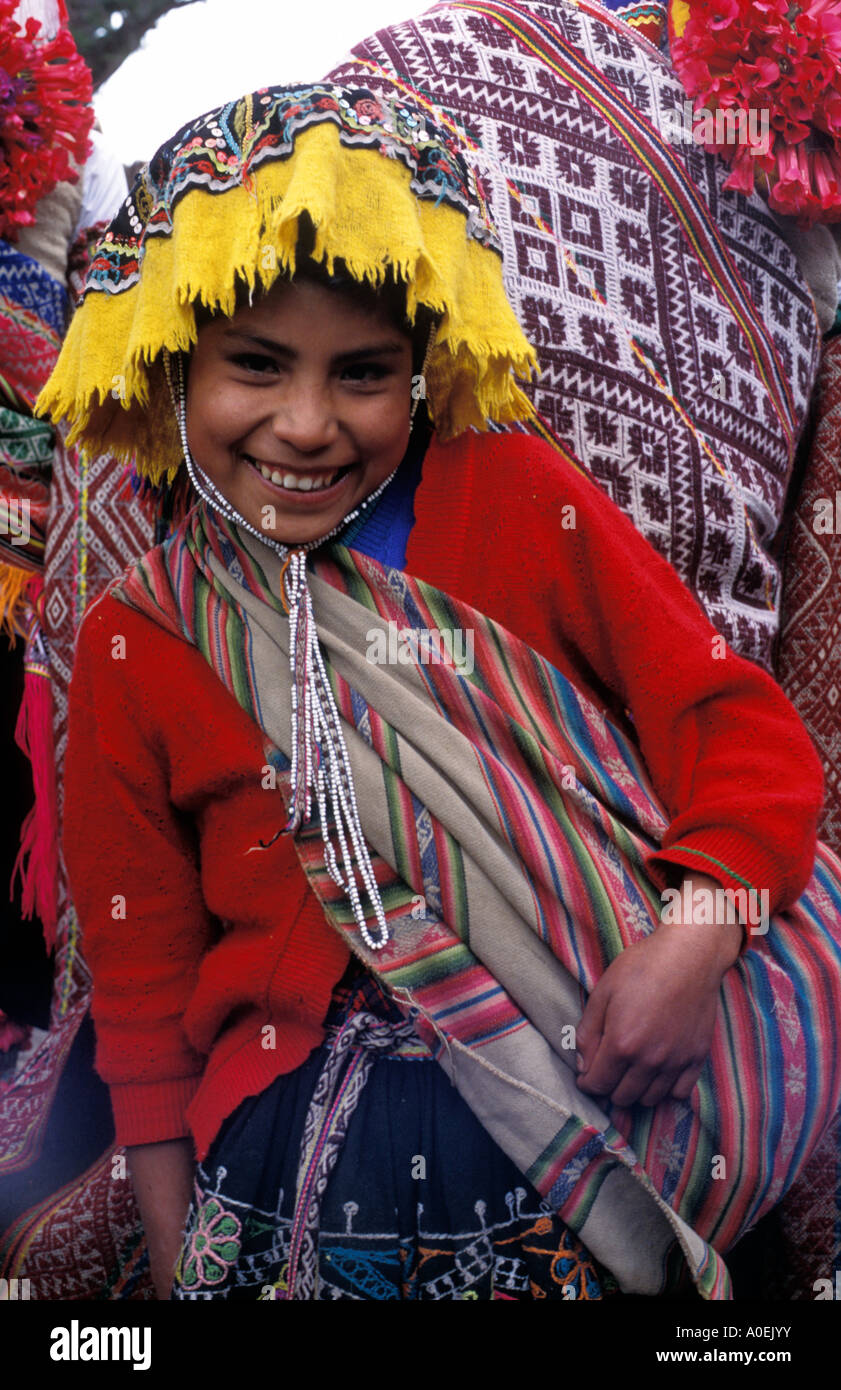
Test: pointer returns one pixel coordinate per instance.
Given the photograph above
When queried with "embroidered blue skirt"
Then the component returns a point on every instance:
(364, 1175)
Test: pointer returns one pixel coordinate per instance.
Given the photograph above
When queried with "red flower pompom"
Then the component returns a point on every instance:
(766, 74)
(45, 116)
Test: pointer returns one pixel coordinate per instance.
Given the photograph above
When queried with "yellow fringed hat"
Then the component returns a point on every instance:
(387, 193)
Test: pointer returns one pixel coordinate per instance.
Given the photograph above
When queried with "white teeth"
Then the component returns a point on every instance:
(297, 482)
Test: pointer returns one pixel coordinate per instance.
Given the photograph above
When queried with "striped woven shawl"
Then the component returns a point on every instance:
(508, 821)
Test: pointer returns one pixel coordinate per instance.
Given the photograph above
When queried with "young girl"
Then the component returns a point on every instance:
(343, 1025)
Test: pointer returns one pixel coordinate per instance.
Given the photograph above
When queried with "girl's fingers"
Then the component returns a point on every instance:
(606, 1072)
(588, 1034)
(636, 1082)
(660, 1087)
(685, 1083)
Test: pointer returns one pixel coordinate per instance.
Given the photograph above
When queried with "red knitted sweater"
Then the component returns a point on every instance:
(196, 947)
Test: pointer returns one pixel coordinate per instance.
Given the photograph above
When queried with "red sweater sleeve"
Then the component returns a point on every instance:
(727, 752)
(133, 872)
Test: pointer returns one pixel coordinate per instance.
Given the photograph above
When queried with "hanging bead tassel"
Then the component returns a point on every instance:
(320, 761)
(37, 859)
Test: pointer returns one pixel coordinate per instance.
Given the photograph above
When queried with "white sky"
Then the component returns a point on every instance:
(204, 54)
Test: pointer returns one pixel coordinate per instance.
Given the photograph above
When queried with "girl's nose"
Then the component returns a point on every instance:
(305, 417)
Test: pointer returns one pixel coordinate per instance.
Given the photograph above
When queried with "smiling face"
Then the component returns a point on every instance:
(298, 406)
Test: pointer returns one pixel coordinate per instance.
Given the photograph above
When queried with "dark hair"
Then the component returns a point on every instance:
(390, 295)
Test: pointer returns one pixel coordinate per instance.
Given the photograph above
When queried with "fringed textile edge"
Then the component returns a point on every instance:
(109, 380)
(37, 858)
(15, 601)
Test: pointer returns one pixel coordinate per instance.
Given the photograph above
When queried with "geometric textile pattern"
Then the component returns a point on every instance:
(84, 1242)
(701, 461)
(26, 1098)
(96, 528)
(651, 21)
(810, 1231)
(809, 670)
(809, 660)
(33, 314)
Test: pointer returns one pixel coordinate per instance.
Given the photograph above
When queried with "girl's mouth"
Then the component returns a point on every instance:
(300, 486)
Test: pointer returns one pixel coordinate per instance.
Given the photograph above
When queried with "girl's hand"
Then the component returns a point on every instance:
(648, 1025)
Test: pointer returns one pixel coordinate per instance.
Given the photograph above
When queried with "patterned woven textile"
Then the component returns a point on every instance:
(497, 927)
(810, 674)
(95, 526)
(650, 19)
(809, 660)
(33, 310)
(86, 1241)
(808, 1243)
(83, 1242)
(677, 338)
(26, 453)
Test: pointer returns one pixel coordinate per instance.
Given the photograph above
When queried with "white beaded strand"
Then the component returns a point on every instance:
(316, 729)
(329, 777)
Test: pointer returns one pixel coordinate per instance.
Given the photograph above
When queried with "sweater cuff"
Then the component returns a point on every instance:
(737, 863)
(148, 1112)
(737, 860)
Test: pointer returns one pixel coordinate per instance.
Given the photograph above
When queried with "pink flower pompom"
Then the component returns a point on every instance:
(826, 179)
(742, 176)
(780, 63)
(45, 116)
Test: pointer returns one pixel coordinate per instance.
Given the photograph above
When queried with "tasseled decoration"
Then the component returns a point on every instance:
(45, 115)
(320, 761)
(39, 832)
(15, 600)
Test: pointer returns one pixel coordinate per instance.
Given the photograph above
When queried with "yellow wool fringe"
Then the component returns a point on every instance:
(109, 380)
(13, 603)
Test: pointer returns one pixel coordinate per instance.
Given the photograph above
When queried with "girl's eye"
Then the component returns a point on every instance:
(257, 362)
(364, 372)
